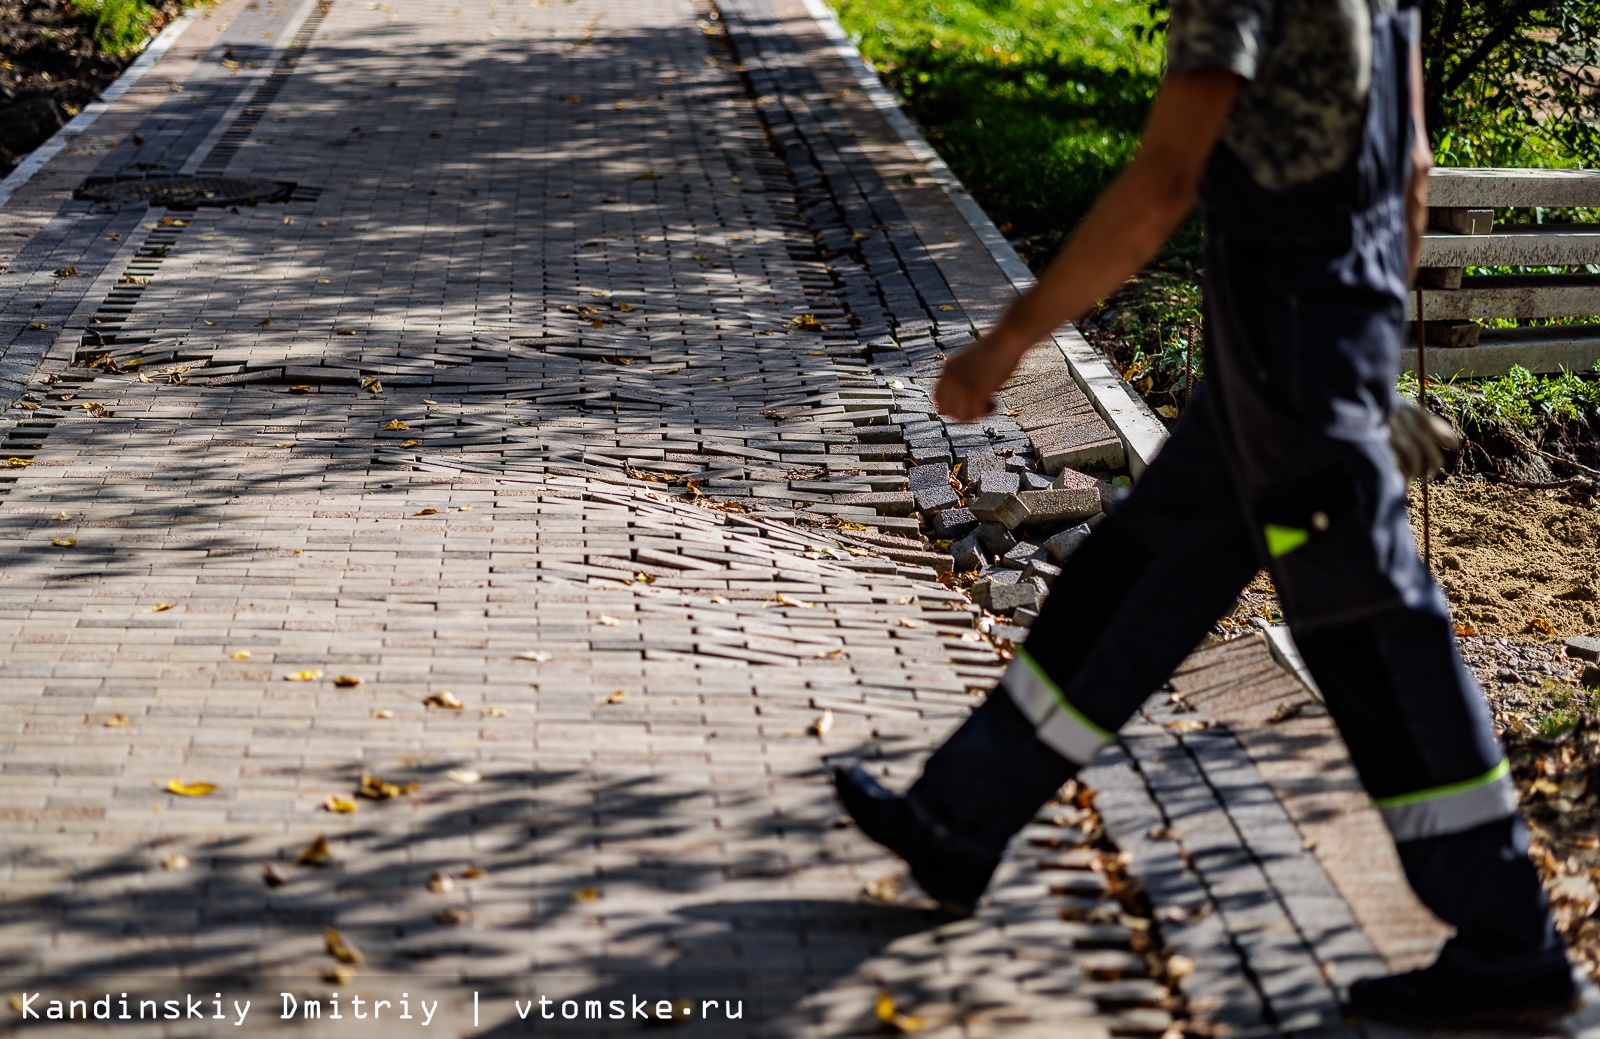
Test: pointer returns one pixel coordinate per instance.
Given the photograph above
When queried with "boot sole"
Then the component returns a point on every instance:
(1511, 1020)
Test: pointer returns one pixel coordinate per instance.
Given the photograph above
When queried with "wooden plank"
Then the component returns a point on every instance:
(1457, 220)
(1536, 349)
(1483, 298)
(1494, 188)
(1514, 245)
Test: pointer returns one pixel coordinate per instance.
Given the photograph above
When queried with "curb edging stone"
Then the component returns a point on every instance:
(1141, 432)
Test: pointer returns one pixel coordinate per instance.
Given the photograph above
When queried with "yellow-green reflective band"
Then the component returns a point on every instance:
(1283, 540)
(1061, 726)
(1451, 808)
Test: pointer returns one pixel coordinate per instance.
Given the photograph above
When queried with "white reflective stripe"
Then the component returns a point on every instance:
(1451, 811)
(1056, 723)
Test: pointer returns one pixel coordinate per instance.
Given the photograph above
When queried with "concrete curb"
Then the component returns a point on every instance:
(1141, 432)
(63, 138)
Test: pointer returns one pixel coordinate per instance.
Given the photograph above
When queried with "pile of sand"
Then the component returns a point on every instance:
(1509, 557)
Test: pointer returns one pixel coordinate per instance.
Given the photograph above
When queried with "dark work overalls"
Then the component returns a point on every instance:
(1283, 461)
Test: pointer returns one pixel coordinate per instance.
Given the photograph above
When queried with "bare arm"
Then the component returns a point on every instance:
(1126, 226)
(1421, 164)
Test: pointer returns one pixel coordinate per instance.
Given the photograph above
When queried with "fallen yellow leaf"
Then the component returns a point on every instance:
(308, 675)
(382, 790)
(444, 698)
(889, 1015)
(785, 600)
(175, 863)
(440, 883)
(340, 975)
(538, 656)
(616, 697)
(586, 894)
(464, 776)
(317, 853)
(18, 463)
(265, 322)
(824, 722)
(644, 578)
(62, 517)
(339, 948)
(38, 324)
(162, 607)
(426, 512)
(609, 622)
(63, 542)
(182, 789)
(396, 426)
(884, 889)
(382, 713)
(116, 721)
(473, 873)
(240, 654)
(341, 805)
(409, 443)
(347, 681)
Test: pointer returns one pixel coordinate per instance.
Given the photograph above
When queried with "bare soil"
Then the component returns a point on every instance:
(1513, 561)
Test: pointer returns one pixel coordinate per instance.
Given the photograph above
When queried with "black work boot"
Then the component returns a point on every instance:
(1456, 993)
(975, 792)
(952, 875)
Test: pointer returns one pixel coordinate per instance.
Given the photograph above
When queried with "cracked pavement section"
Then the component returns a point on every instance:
(536, 392)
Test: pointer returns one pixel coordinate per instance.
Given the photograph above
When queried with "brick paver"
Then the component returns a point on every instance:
(574, 388)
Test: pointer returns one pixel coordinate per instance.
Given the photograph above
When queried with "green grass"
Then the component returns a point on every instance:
(1520, 398)
(120, 26)
(1036, 104)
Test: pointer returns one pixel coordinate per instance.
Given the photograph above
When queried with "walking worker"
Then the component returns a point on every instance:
(1297, 126)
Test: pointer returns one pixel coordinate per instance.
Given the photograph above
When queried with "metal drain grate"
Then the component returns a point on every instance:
(180, 192)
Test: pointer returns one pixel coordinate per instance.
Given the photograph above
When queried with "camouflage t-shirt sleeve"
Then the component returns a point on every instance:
(1218, 34)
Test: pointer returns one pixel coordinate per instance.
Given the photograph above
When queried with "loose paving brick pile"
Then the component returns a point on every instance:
(560, 444)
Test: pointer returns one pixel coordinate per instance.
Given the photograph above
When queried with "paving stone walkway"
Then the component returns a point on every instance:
(540, 457)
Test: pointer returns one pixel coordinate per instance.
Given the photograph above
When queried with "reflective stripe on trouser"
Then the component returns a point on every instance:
(1058, 724)
(1450, 809)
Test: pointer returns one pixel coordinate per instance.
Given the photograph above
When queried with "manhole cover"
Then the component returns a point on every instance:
(179, 192)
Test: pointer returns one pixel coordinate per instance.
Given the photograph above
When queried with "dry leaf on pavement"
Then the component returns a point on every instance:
(451, 917)
(464, 776)
(884, 889)
(340, 975)
(383, 790)
(116, 721)
(240, 654)
(18, 463)
(617, 697)
(63, 542)
(175, 863)
(444, 698)
(339, 948)
(347, 681)
(182, 789)
(341, 805)
(538, 656)
(824, 722)
(162, 607)
(426, 512)
(889, 1015)
(609, 622)
(317, 853)
(396, 426)
(308, 675)
(785, 600)
(382, 713)
(586, 894)
(473, 873)
(440, 883)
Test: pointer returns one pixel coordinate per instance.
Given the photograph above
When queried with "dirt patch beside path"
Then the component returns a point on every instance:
(1509, 558)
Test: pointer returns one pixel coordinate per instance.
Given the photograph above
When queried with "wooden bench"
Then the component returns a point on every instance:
(1462, 233)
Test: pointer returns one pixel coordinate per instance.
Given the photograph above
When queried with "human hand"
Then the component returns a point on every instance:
(967, 385)
(1420, 439)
